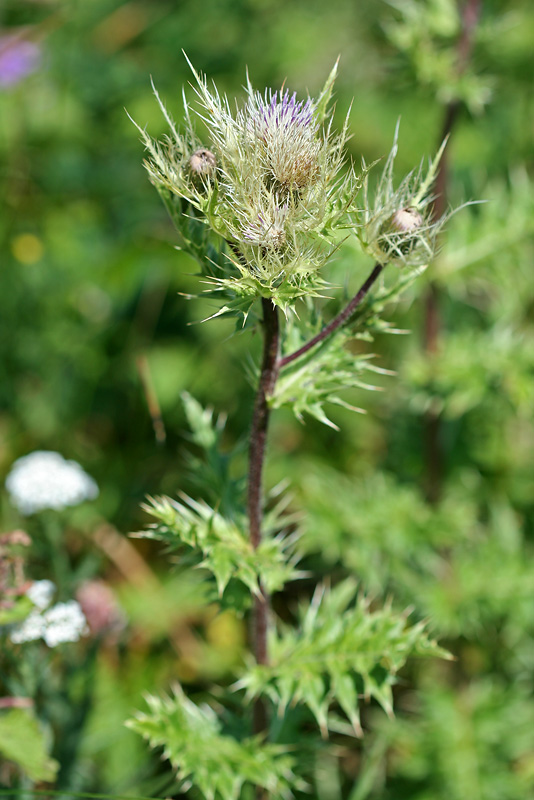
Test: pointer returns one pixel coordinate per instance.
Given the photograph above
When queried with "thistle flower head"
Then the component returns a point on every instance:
(268, 229)
(265, 185)
(280, 110)
(288, 130)
(261, 202)
(398, 227)
(401, 233)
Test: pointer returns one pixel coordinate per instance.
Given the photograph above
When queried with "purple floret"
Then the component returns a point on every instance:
(285, 111)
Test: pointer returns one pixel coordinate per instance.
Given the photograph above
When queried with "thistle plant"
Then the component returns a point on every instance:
(262, 202)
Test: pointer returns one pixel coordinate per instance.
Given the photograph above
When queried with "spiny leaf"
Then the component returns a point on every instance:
(206, 431)
(341, 649)
(311, 381)
(211, 471)
(222, 546)
(326, 94)
(314, 380)
(217, 765)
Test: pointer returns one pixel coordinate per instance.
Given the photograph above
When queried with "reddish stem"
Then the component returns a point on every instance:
(338, 321)
(258, 439)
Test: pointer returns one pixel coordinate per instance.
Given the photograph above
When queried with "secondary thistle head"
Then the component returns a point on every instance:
(267, 230)
(399, 227)
(202, 162)
(264, 185)
(399, 234)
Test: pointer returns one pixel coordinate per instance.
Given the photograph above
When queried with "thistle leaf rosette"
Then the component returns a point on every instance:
(341, 650)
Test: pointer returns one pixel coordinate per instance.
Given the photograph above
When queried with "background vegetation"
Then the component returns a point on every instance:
(427, 499)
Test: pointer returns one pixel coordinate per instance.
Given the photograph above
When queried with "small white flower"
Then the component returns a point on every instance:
(28, 631)
(41, 593)
(45, 479)
(64, 622)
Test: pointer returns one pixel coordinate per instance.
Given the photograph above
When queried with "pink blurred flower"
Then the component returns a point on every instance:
(100, 607)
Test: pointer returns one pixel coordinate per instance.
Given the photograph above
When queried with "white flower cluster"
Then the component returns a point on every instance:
(44, 479)
(64, 622)
(41, 593)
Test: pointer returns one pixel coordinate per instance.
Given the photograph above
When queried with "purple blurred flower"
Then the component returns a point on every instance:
(100, 608)
(18, 58)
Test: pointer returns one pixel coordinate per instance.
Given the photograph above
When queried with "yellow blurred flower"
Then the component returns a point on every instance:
(27, 248)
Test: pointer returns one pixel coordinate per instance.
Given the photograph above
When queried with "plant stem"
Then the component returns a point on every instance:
(271, 365)
(258, 439)
(338, 321)
(432, 324)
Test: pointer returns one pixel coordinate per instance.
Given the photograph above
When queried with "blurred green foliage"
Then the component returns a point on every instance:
(94, 322)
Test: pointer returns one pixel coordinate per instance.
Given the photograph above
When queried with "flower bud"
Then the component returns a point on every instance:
(202, 162)
(406, 220)
(400, 234)
(268, 232)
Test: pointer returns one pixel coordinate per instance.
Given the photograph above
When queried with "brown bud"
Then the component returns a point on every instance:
(202, 162)
(406, 220)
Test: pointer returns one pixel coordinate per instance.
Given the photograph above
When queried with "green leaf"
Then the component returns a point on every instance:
(17, 612)
(211, 471)
(340, 648)
(22, 742)
(217, 765)
(206, 431)
(427, 34)
(313, 380)
(222, 546)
